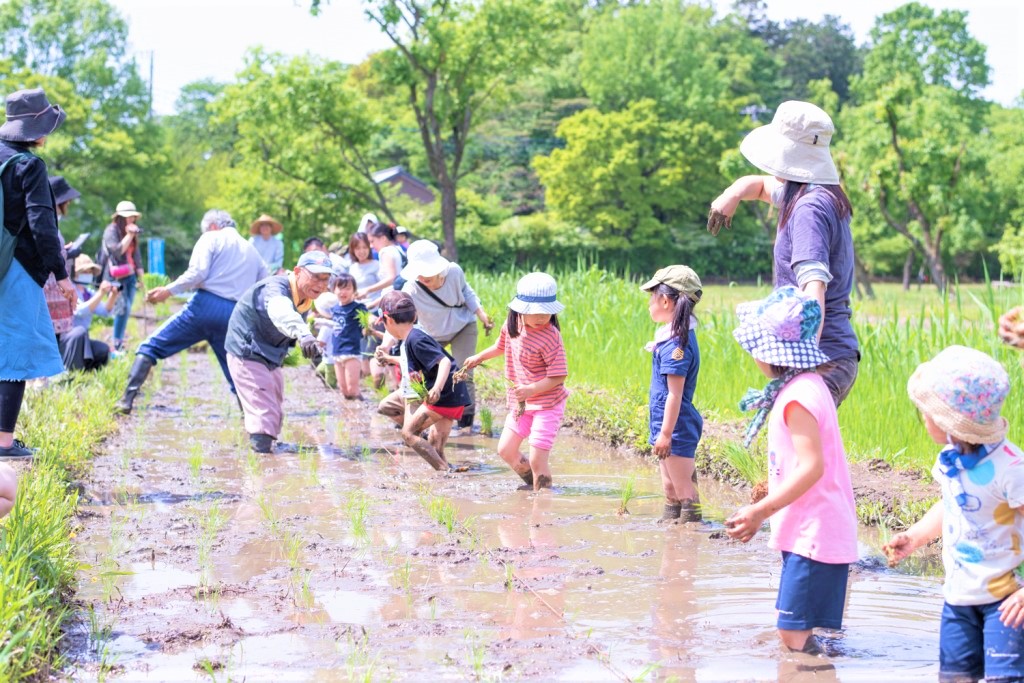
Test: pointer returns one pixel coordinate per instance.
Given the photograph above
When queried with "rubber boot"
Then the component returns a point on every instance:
(690, 511)
(671, 513)
(261, 443)
(136, 378)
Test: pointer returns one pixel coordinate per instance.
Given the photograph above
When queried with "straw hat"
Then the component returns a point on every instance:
(794, 146)
(425, 260)
(536, 293)
(962, 390)
(126, 209)
(84, 264)
(275, 225)
(781, 329)
(30, 116)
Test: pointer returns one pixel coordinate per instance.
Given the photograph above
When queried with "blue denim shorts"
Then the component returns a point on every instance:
(973, 643)
(812, 594)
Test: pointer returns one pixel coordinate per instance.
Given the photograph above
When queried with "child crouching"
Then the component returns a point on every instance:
(427, 397)
(960, 393)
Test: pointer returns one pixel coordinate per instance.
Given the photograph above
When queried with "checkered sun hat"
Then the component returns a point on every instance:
(781, 329)
(962, 390)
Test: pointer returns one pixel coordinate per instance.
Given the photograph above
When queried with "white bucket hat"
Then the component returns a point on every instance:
(794, 146)
(367, 221)
(325, 302)
(536, 293)
(425, 260)
(126, 209)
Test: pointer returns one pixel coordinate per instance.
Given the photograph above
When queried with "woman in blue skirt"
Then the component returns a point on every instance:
(28, 346)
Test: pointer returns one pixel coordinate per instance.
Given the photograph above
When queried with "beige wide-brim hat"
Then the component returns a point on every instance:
(795, 145)
(962, 390)
(126, 209)
(424, 261)
(84, 264)
(276, 226)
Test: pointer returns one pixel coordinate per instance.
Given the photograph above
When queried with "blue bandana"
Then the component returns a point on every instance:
(763, 401)
(952, 461)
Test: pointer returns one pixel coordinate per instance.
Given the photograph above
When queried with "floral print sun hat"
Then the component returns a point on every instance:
(962, 390)
(782, 329)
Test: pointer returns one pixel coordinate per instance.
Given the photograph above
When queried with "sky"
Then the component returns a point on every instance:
(188, 40)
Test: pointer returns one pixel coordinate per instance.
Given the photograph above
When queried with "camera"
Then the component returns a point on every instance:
(119, 286)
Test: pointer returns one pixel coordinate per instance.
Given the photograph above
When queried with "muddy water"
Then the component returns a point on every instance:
(204, 561)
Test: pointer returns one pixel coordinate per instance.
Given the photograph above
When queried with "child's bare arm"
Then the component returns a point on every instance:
(444, 367)
(491, 352)
(923, 532)
(547, 384)
(663, 445)
(745, 523)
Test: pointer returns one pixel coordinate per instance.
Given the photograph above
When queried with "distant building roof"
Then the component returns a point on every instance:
(410, 185)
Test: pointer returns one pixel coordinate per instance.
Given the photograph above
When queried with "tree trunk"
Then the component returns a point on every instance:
(449, 204)
(908, 265)
(933, 257)
(862, 277)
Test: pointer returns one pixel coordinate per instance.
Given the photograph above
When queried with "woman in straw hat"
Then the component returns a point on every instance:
(122, 264)
(28, 347)
(270, 248)
(814, 245)
(960, 394)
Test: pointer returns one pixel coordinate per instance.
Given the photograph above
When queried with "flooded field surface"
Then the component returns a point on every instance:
(351, 559)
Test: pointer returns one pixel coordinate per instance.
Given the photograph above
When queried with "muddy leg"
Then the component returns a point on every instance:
(438, 435)
(681, 472)
(540, 467)
(351, 372)
(416, 420)
(508, 449)
(339, 375)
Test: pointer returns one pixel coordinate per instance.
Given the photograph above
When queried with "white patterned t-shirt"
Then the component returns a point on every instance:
(982, 531)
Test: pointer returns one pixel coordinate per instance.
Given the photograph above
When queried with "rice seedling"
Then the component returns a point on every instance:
(365, 319)
(486, 421)
(510, 576)
(358, 505)
(419, 385)
(626, 494)
(195, 461)
(444, 512)
(361, 663)
(751, 468)
(267, 508)
(476, 652)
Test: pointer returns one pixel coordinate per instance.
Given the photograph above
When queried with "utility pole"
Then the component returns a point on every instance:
(151, 84)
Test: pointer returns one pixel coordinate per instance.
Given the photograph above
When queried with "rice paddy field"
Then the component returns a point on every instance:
(606, 325)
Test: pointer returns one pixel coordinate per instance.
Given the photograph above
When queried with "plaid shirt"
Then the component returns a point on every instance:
(61, 311)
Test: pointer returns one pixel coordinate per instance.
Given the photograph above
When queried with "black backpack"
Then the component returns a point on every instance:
(7, 241)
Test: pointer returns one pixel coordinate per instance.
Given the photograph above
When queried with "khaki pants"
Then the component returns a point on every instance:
(261, 393)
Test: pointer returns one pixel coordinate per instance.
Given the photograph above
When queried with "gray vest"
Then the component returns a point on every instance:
(251, 334)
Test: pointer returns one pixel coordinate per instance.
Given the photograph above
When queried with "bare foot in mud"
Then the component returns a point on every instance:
(541, 481)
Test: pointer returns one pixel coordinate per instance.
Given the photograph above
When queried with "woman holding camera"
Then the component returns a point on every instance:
(122, 264)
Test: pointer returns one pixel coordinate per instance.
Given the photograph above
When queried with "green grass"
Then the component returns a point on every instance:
(606, 324)
(37, 557)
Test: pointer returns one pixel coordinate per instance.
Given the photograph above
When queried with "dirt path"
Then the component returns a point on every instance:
(337, 563)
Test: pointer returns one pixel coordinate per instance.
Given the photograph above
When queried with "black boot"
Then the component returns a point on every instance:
(136, 378)
(670, 513)
(261, 443)
(689, 511)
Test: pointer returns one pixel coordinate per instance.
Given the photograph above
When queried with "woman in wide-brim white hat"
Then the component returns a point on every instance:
(446, 307)
(814, 245)
(121, 249)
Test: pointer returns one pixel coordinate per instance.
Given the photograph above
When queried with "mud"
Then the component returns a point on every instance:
(353, 559)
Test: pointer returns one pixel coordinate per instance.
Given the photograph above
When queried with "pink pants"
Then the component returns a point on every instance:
(261, 392)
(539, 425)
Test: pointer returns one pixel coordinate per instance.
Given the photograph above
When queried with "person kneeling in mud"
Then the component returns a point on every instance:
(427, 396)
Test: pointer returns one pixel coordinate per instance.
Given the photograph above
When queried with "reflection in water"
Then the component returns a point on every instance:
(674, 604)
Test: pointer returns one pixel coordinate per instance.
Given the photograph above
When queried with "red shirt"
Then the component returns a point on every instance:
(537, 353)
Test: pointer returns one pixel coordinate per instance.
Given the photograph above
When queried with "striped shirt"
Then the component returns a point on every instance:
(537, 353)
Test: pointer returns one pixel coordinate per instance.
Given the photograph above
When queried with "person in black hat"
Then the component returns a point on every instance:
(28, 347)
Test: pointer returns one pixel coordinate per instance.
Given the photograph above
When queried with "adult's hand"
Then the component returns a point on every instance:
(158, 294)
(1011, 327)
(311, 348)
(721, 213)
(67, 290)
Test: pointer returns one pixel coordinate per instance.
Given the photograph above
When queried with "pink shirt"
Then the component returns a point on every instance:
(536, 354)
(821, 524)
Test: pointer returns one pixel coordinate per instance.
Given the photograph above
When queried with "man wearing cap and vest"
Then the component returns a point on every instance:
(265, 325)
(223, 265)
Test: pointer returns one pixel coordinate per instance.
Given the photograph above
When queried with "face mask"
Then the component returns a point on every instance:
(84, 279)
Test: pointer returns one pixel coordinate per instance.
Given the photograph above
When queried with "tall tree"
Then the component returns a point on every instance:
(454, 59)
(909, 137)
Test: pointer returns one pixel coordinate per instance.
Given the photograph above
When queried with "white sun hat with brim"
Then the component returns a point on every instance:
(367, 221)
(782, 329)
(126, 209)
(424, 260)
(325, 302)
(794, 146)
(537, 293)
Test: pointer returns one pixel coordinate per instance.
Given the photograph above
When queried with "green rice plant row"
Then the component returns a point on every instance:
(37, 557)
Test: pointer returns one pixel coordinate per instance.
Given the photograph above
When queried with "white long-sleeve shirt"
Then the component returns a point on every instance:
(222, 263)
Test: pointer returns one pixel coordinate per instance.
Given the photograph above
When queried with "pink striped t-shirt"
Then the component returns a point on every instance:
(821, 524)
(535, 354)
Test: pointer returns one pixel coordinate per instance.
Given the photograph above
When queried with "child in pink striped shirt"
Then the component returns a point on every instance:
(535, 368)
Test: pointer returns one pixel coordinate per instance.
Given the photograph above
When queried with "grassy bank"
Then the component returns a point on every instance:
(37, 558)
(606, 324)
